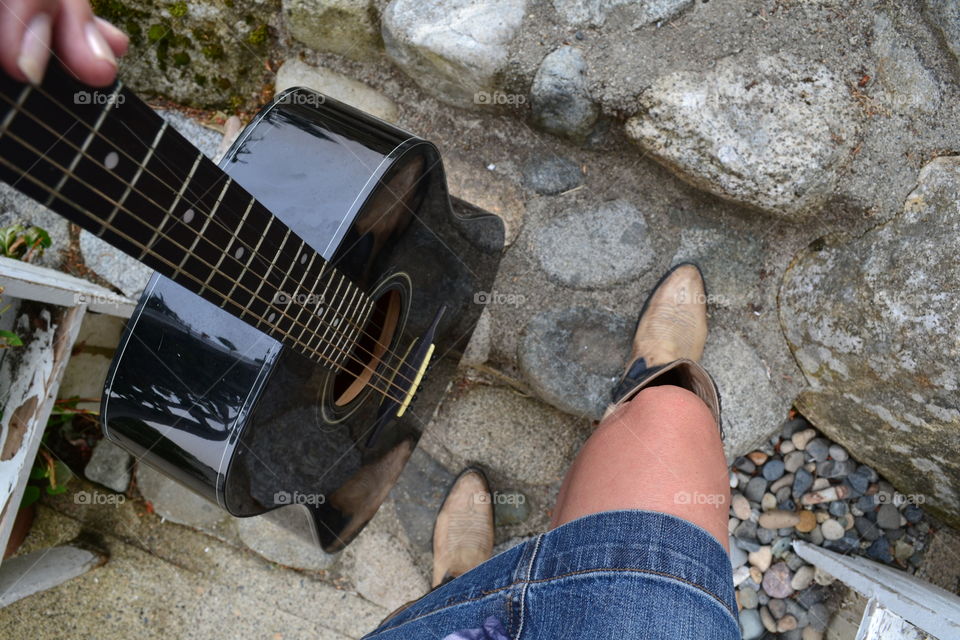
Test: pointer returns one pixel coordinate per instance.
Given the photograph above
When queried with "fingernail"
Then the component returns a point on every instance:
(35, 48)
(97, 44)
(108, 26)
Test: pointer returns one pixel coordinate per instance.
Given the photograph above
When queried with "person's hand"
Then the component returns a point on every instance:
(33, 31)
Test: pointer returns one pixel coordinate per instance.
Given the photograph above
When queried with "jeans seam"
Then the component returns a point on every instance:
(526, 582)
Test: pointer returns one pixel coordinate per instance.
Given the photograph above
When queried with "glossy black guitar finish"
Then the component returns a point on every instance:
(253, 425)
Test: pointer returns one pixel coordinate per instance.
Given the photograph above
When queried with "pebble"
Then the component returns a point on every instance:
(829, 494)
(766, 618)
(793, 461)
(746, 530)
(773, 470)
(794, 561)
(816, 536)
(866, 503)
(765, 536)
(734, 480)
(902, 550)
(786, 447)
(818, 617)
(869, 472)
(758, 457)
(879, 550)
(750, 626)
(858, 482)
(784, 481)
(748, 598)
(888, 517)
(831, 529)
(756, 575)
(741, 506)
(867, 530)
(834, 469)
(744, 464)
(790, 427)
(809, 597)
(768, 502)
(738, 557)
(778, 608)
(802, 578)
(761, 558)
(786, 623)
(800, 439)
(802, 482)
(776, 581)
(818, 449)
(838, 453)
(822, 578)
(550, 174)
(748, 545)
(819, 483)
(778, 519)
(780, 547)
(838, 508)
(913, 513)
(807, 521)
(740, 574)
(894, 534)
(755, 489)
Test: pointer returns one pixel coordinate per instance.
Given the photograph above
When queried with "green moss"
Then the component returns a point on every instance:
(224, 83)
(181, 58)
(158, 32)
(259, 36)
(236, 102)
(179, 9)
(213, 51)
(200, 79)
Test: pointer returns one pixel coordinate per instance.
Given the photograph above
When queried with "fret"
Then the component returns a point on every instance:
(345, 325)
(246, 267)
(158, 231)
(311, 295)
(203, 229)
(326, 310)
(306, 300)
(7, 119)
(136, 177)
(229, 246)
(256, 293)
(81, 152)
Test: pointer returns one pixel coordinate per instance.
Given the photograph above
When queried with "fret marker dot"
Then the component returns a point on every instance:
(238, 253)
(111, 161)
(188, 216)
(303, 259)
(272, 317)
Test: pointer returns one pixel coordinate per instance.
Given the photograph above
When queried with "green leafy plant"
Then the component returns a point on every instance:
(23, 243)
(8, 338)
(66, 427)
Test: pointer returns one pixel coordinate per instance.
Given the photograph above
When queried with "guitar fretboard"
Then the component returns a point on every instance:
(106, 161)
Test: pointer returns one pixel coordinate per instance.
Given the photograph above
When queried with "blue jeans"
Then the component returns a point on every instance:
(617, 574)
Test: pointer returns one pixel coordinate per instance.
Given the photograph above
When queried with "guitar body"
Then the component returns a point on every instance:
(257, 427)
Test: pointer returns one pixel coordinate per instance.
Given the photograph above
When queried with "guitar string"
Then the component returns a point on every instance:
(359, 347)
(283, 277)
(304, 346)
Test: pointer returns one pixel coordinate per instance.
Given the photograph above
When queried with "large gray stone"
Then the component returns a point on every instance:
(873, 327)
(349, 28)
(205, 52)
(283, 536)
(110, 466)
(508, 433)
(453, 49)
(597, 248)
(946, 15)
(559, 98)
(639, 12)
(16, 208)
(550, 174)
(905, 84)
(770, 132)
(174, 502)
(418, 495)
(294, 72)
(382, 570)
(573, 357)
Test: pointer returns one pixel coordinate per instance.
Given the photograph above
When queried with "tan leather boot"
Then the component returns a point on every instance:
(463, 533)
(669, 340)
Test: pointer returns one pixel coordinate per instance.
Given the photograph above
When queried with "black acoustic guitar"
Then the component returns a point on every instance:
(311, 299)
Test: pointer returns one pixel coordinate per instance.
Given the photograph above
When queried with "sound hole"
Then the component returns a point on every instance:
(370, 349)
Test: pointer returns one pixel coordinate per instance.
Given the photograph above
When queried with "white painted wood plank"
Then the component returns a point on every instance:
(28, 281)
(879, 623)
(925, 605)
(36, 372)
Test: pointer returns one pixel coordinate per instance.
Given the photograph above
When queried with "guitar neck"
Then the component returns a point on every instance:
(103, 159)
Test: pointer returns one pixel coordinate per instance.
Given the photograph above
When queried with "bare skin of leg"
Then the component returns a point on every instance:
(660, 452)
